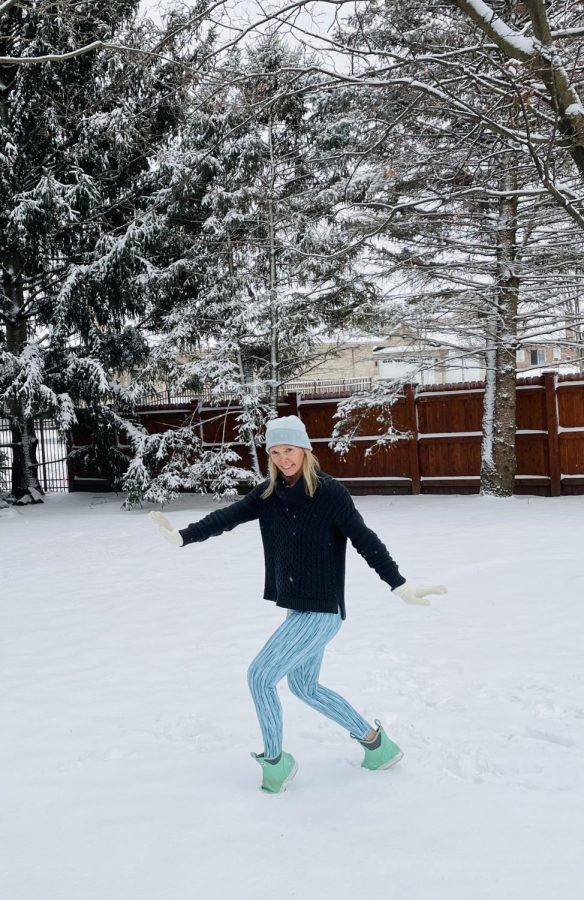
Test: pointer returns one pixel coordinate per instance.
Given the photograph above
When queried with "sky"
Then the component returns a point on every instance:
(315, 20)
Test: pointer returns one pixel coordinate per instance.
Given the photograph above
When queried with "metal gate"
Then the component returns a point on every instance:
(51, 455)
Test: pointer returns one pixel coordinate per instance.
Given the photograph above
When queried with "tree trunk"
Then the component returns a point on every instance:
(251, 445)
(544, 60)
(26, 487)
(245, 375)
(273, 291)
(498, 462)
(564, 96)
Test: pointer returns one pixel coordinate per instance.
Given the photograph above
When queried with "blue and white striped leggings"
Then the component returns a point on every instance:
(296, 649)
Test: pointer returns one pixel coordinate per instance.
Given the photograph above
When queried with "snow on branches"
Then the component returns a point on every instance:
(164, 464)
(369, 411)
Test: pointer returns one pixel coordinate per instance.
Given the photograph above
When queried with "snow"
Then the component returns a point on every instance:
(406, 479)
(575, 109)
(422, 393)
(431, 435)
(523, 46)
(127, 724)
(557, 368)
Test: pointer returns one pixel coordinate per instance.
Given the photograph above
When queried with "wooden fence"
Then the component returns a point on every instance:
(441, 452)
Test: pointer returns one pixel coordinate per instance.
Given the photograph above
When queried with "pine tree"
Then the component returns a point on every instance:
(75, 139)
(461, 219)
(253, 267)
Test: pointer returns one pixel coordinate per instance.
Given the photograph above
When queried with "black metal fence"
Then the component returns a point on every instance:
(332, 386)
(51, 456)
(307, 388)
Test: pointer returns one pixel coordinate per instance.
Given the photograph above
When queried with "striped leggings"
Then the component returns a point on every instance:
(296, 649)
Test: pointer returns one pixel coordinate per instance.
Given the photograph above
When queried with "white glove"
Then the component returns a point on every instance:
(417, 595)
(168, 531)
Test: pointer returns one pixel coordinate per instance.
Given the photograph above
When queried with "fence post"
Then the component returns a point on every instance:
(200, 423)
(69, 446)
(551, 408)
(43, 463)
(292, 400)
(410, 394)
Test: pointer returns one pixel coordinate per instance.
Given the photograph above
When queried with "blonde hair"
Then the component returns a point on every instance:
(310, 470)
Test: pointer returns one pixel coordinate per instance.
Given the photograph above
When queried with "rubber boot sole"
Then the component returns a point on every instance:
(392, 762)
(285, 783)
(388, 765)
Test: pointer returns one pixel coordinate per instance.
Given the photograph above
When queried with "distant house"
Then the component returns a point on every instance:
(358, 362)
(433, 359)
(532, 358)
(399, 355)
(428, 362)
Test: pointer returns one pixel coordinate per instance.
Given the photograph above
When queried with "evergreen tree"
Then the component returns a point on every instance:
(470, 242)
(75, 139)
(462, 147)
(253, 268)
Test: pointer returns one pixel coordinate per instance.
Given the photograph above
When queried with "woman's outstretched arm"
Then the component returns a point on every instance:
(350, 523)
(215, 523)
(375, 553)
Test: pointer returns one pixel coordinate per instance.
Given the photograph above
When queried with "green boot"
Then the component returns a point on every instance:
(383, 753)
(277, 776)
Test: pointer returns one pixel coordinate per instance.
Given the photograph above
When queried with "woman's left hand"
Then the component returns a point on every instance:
(167, 529)
(409, 593)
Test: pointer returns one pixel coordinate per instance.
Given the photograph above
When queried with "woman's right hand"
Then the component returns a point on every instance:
(409, 593)
(167, 530)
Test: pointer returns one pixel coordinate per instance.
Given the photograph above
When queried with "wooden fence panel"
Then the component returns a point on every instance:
(570, 399)
(531, 409)
(158, 420)
(532, 455)
(442, 453)
(218, 424)
(400, 415)
(318, 416)
(450, 457)
(384, 462)
(572, 453)
(442, 412)
(388, 468)
(571, 404)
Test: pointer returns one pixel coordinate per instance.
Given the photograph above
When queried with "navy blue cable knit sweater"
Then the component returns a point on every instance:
(305, 540)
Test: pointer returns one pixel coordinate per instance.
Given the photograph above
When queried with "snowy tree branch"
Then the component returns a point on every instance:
(543, 56)
(58, 57)
(567, 32)
(83, 51)
(512, 42)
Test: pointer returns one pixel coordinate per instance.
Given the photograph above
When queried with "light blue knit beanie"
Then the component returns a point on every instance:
(287, 430)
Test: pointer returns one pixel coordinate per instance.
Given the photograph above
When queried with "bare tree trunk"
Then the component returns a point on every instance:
(273, 291)
(498, 462)
(25, 482)
(251, 445)
(245, 375)
(26, 487)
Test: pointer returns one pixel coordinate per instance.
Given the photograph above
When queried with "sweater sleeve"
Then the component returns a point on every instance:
(215, 523)
(350, 523)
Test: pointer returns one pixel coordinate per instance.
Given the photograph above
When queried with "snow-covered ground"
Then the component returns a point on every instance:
(126, 725)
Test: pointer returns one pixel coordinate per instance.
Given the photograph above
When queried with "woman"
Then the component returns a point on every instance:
(305, 518)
